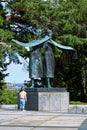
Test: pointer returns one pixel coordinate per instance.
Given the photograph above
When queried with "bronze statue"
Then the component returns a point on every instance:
(42, 66)
(35, 65)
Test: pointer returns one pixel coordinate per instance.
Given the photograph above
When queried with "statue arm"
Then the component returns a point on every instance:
(75, 56)
(20, 43)
(62, 46)
(32, 43)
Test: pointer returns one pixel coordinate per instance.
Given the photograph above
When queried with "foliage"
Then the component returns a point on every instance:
(9, 96)
(78, 102)
(5, 36)
(68, 21)
(2, 85)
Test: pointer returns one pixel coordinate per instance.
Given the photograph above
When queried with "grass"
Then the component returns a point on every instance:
(78, 102)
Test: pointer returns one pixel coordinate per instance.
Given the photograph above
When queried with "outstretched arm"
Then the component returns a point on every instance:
(32, 43)
(75, 56)
(61, 46)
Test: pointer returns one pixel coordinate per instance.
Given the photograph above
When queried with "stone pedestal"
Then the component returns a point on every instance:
(47, 100)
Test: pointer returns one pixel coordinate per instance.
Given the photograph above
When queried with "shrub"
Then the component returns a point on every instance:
(9, 96)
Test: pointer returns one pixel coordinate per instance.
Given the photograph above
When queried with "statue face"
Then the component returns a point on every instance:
(49, 33)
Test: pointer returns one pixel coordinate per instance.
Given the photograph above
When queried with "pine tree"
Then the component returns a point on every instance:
(5, 36)
(68, 21)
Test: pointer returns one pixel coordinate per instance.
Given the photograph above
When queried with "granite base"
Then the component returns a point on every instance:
(51, 100)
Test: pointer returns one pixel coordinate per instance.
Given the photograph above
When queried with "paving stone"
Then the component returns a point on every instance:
(37, 120)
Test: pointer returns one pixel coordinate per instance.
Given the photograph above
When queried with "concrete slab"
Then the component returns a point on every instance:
(13, 119)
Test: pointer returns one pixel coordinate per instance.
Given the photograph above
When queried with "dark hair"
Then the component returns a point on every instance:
(22, 88)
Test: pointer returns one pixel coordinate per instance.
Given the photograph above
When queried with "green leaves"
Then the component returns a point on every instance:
(72, 40)
(9, 96)
(1, 21)
(68, 22)
(6, 35)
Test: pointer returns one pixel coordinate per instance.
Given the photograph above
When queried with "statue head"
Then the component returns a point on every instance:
(38, 33)
(49, 33)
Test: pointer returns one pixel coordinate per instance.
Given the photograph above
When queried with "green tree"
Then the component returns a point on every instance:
(5, 37)
(67, 19)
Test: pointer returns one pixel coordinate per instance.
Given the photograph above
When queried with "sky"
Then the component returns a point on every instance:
(17, 73)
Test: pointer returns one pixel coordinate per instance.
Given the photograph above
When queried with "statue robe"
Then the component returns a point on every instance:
(35, 64)
(49, 61)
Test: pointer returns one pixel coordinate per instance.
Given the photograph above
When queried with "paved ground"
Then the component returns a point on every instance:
(13, 119)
